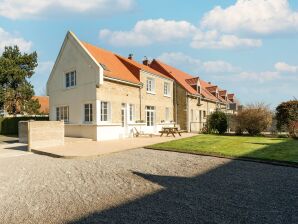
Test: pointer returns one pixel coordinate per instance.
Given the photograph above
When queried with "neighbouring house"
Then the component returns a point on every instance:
(194, 99)
(44, 104)
(43, 110)
(102, 95)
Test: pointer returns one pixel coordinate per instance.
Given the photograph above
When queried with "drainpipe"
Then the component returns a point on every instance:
(140, 98)
(187, 115)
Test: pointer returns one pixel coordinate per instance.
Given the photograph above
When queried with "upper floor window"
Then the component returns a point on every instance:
(167, 89)
(62, 113)
(70, 79)
(150, 85)
(88, 112)
(105, 111)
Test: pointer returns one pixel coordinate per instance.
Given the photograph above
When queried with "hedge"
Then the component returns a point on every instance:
(9, 125)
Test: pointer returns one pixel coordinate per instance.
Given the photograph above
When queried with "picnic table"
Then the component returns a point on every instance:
(170, 130)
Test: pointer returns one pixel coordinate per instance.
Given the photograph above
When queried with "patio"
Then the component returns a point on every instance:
(76, 147)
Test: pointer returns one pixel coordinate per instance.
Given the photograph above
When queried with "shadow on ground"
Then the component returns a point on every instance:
(235, 192)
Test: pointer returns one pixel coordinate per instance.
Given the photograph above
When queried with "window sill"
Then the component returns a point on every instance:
(152, 93)
(169, 96)
(71, 87)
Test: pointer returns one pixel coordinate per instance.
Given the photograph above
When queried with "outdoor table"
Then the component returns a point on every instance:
(169, 130)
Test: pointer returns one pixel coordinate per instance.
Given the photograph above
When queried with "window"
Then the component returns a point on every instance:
(104, 111)
(62, 113)
(150, 85)
(70, 79)
(131, 112)
(166, 89)
(88, 112)
(167, 114)
(204, 113)
(150, 115)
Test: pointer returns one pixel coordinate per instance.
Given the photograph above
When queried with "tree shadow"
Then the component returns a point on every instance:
(235, 192)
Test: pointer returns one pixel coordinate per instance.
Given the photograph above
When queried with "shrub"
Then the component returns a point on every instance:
(9, 125)
(218, 122)
(287, 116)
(254, 119)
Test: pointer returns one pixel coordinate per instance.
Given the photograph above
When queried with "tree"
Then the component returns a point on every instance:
(16, 91)
(218, 122)
(286, 113)
(254, 119)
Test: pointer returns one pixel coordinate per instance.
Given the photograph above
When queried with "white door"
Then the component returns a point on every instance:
(124, 119)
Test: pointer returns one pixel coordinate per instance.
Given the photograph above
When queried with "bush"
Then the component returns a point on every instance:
(218, 122)
(254, 119)
(9, 125)
(287, 116)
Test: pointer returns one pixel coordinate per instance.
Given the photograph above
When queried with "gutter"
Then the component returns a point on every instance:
(122, 81)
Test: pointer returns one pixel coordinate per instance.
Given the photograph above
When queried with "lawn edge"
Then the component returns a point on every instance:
(241, 158)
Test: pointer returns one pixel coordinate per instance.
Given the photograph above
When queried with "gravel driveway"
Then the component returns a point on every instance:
(146, 186)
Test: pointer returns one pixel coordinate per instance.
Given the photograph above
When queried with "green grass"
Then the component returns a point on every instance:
(263, 148)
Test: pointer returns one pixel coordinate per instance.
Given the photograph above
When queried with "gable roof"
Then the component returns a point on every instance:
(140, 66)
(184, 79)
(113, 67)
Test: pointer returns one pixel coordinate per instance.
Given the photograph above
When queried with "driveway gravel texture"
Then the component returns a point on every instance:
(146, 186)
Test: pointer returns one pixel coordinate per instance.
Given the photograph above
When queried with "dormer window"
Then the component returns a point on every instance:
(70, 79)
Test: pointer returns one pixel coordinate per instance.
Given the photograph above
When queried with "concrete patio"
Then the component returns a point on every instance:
(76, 147)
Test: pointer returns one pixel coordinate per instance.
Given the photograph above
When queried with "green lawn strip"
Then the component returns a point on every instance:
(260, 148)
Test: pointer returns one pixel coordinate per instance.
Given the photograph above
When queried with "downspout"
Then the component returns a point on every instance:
(176, 105)
(187, 115)
(140, 98)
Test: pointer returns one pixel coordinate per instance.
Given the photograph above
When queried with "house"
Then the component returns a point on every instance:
(102, 95)
(194, 98)
(44, 104)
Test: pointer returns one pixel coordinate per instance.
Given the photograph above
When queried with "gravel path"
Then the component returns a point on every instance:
(146, 186)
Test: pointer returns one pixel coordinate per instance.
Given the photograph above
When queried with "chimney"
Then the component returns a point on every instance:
(130, 56)
(209, 83)
(146, 61)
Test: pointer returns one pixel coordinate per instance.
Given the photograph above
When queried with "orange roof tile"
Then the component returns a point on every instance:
(44, 103)
(182, 78)
(113, 66)
(140, 66)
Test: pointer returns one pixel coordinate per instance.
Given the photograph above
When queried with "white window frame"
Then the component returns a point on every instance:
(151, 111)
(90, 113)
(131, 113)
(108, 114)
(70, 79)
(150, 85)
(167, 89)
(62, 113)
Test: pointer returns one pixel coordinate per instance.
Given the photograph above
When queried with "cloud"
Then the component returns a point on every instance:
(194, 65)
(214, 40)
(284, 67)
(258, 76)
(255, 16)
(16, 9)
(9, 39)
(146, 32)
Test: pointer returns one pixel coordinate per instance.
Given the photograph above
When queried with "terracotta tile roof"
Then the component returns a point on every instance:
(192, 81)
(44, 103)
(184, 79)
(211, 89)
(114, 68)
(139, 66)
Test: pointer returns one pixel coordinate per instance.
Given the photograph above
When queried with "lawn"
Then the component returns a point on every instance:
(263, 148)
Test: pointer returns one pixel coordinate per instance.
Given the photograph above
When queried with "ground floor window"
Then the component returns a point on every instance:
(150, 115)
(62, 113)
(88, 112)
(167, 114)
(105, 111)
(131, 112)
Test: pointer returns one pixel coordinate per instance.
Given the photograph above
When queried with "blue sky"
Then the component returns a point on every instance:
(248, 47)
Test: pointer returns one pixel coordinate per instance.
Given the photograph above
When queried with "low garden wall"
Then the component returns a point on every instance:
(40, 134)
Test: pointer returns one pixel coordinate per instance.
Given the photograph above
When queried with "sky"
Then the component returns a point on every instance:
(249, 47)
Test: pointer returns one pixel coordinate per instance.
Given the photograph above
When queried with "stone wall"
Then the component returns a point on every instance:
(41, 134)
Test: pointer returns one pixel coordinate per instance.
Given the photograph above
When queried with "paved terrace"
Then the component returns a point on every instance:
(76, 147)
